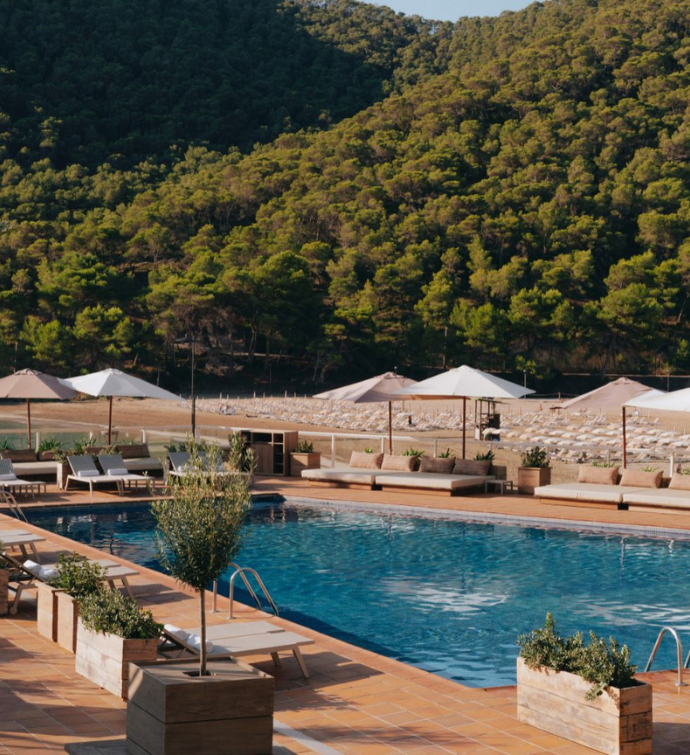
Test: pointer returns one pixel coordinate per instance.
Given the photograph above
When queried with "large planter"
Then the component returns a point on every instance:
(67, 618)
(530, 478)
(304, 460)
(105, 658)
(4, 581)
(47, 611)
(172, 711)
(61, 472)
(618, 722)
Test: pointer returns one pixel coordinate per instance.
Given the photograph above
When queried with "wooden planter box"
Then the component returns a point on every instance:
(300, 461)
(4, 581)
(172, 712)
(530, 478)
(67, 617)
(61, 472)
(618, 722)
(105, 658)
(47, 611)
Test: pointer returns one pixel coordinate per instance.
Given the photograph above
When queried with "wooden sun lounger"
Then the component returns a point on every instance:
(237, 639)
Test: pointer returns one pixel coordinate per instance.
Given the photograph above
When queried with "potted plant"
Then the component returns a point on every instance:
(304, 457)
(113, 632)
(417, 453)
(586, 693)
(199, 534)
(535, 470)
(76, 578)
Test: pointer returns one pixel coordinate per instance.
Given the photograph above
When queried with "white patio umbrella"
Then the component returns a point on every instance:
(111, 383)
(464, 382)
(674, 401)
(374, 390)
(30, 384)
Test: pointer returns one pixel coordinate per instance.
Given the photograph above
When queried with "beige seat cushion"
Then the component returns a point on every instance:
(471, 467)
(362, 460)
(581, 491)
(398, 463)
(432, 481)
(679, 482)
(142, 465)
(24, 468)
(16, 455)
(133, 450)
(340, 475)
(437, 465)
(598, 475)
(636, 478)
(679, 499)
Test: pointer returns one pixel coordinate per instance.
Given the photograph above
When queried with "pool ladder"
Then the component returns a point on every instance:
(679, 652)
(242, 571)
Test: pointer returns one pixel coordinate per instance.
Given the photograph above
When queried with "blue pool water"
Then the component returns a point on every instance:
(448, 596)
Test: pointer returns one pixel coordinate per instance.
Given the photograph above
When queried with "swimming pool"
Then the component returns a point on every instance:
(444, 595)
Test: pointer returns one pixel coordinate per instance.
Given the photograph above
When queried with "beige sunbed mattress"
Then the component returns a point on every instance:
(364, 476)
(431, 480)
(679, 499)
(583, 491)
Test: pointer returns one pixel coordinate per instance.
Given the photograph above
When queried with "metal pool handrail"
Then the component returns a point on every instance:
(241, 572)
(679, 651)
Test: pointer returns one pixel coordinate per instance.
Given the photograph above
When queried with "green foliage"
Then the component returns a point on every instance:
(486, 456)
(683, 470)
(535, 458)
(605, 464)
(110, 612)
(50, 444)
(650, 469)
(304, 446)
(6, 444)
(445, 454)
(77, 575)
(413, 452)
(604, 664)
(239, 457)
(368, 450)
(200, 525)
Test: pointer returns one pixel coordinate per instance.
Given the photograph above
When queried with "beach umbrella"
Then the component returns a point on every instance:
(112, 383)
(611, 395)
(464, 382)
(675, 401)
(378, 389)
(30, 384)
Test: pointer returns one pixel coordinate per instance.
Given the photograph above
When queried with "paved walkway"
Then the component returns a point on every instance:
(355, 701)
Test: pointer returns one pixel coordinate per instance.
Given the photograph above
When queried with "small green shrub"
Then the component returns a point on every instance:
(239, 456)
(304, 447)
(650, 469)
(77, 575)
(604, 464)
(413, 452)
(602, 663)
(536, 457)
(368, 450)
(683, 470)
(49, 444)
(110, 612)
(488, 456)
(446, 454)
(6, 444)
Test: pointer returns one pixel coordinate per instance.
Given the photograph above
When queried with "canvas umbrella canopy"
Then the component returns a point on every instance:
(464, 382)
(378, 389)
(30, 384)
(611, 395)
(675, 401)
(112, 383)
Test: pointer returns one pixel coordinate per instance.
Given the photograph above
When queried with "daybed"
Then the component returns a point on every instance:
(385, 471)
(137, 457)
(28, 464)
(634, 489)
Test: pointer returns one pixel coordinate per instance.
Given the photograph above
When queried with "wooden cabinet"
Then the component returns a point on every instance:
(272, 449)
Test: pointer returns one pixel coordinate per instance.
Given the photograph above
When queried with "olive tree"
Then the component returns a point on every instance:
(200, 525)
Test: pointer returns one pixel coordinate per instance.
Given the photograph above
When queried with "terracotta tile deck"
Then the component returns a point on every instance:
(355, 702)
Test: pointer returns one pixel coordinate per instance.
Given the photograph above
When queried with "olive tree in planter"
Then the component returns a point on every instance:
(534, 471)
(113, 632)
(586, 693)
(221, 705)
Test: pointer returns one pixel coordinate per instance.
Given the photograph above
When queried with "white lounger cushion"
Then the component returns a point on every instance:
(138, 465)
(585, 491)
(7, 477)
(88, 473)
(365, 476)
(194, 641)
(174, 631)
(119, 472)
(432, 480)
(659, 497)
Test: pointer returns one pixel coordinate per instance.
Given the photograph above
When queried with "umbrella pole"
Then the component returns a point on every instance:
(110, 420)
(28, 420)
(625, 454)
(464, 422)
(390, 427)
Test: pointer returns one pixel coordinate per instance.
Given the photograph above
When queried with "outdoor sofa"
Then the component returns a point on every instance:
(27, 463)
(136, 456)
(632, 489)
(447, 476)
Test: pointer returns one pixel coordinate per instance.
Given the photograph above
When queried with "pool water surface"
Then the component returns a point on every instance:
(447, 596)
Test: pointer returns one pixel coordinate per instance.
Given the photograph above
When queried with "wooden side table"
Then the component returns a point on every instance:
(501, 485)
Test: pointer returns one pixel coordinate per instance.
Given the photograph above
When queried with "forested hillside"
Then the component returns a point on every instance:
(528, 206)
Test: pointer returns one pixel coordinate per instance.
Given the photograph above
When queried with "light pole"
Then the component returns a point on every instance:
(524, 378)
(192, 397)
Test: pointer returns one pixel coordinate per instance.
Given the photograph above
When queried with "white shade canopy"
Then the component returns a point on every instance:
(464, 382)
(374, 390)
(112, 382)
(610, 396)
(675, 401)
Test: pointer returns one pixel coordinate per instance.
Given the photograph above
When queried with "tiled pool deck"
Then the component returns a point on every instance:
(354, 702)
